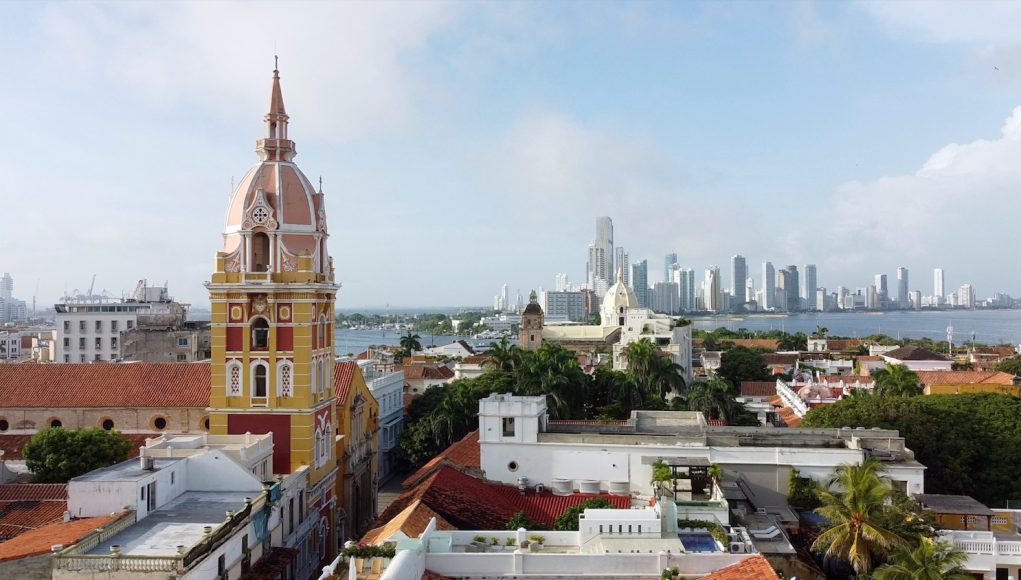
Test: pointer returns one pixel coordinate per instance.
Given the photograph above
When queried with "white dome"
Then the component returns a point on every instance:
(617, 301)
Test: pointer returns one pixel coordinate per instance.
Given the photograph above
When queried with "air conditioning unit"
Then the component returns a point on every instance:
(737, 548)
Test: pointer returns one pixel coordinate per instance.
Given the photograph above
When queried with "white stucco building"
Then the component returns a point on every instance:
(387, 386)
(518, 440)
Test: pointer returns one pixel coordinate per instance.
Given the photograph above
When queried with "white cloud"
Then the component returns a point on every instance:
(977, 22)
(348, 67)
(958, 208)
(553, 170)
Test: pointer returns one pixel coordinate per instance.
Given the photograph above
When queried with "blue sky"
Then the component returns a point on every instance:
(464, 145)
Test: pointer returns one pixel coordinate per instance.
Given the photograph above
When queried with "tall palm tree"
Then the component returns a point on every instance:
(503, 356)
(667, 377)
(411, 343)
(641, 359)
(897, 381)
(713, 398)
(931, 560)
(854, 512)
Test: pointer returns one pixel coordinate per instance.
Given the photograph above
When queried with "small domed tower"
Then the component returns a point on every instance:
(530, 331)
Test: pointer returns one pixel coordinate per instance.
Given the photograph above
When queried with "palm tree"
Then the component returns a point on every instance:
(854, 513)
(713, 398)
(411, 343)
(641, 358)
(897, 381)
(821, 331)
(667, 377)
(931, 560)
(503, 356)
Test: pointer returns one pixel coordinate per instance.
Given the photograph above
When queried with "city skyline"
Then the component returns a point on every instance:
(794, 109)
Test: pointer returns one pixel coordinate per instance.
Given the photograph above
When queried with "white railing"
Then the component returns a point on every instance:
(791, 399)
(105, 563)
(96, 538)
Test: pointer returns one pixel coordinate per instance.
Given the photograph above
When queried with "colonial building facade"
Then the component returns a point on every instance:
(272, 295)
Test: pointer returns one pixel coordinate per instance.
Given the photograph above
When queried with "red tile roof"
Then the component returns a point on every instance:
(13, 444)
(463, 455)
(411, 522)
(41, 540)
(475, 359)
(758, 388)
(272, 565)
(473, 504)
(343, 375)
(426, 371)
(790, 418)
(26, 506)
(964, 377)
(780, 359)
(33, 491)
(105, 385)
(751, 568)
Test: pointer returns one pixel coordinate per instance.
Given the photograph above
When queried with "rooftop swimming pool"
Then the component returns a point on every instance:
(698, 542)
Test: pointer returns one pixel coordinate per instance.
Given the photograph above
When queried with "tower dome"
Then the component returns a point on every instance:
(617, 301)
(275, 214)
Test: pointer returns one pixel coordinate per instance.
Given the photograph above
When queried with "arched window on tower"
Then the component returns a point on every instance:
(260, 252)
(260, 379)
(285, 379)
(260, 333)
(234, 378)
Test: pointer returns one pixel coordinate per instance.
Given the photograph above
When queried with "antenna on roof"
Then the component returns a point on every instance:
(320, 184)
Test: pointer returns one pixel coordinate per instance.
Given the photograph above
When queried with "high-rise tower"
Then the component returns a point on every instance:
(938, 293)
(768, 286)
(902, 288)
(738, 273)
(272, 294)
(600, 257)
(811, 285)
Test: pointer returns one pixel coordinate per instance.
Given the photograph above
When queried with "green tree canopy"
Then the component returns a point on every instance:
(55, 455)
(854, 516)
(568, 521)
(954, 436)
(929, 560)
(743, 364)
(897, 381)
(1011, 365)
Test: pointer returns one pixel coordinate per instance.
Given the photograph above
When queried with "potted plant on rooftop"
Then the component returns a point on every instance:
(537, 542)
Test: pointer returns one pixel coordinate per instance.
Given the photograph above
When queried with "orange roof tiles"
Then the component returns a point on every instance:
(473, 504)
(789, 416)
(41, 540)
(411, 522)
(343, 375)
(912, 352)
(109, 385)
(964, 377)
(462, 455)
(751, 568)
(414, 372)
(26, 506)
(758, 388)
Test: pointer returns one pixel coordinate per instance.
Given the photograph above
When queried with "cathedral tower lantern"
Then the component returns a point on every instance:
(272, 294)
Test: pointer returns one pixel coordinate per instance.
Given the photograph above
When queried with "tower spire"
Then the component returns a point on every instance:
(276, 146)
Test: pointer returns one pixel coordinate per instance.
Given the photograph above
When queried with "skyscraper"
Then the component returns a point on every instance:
(783, 282)
(668, 264)
(902, 288)
(685, 280)
(711, 289)
(811, 285)
(882, 288)
(664, 297)
(600, 257)
(623, 262)
(768, 286)
(640, 282)
(937, 286)
(792, 289)
(738, 274)
(6, 287)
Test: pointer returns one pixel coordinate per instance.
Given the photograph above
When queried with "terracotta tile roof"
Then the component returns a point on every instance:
(343, 375)
(875, 358)
(769, 343)
(40, 540)
(412, 522)
(751, 568)
(912, 352)
(588, 422)
(463, 455)
(33, 491)
(964, 377)
(846, 379)
(789, 416)
(425, 371)
(469, 503)
(716, 422)
(105, 385)
(758, 388)
(475, 359)
(26, 506)
(780, 359)
(776, 401)
(843, 343)
(13, 444)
